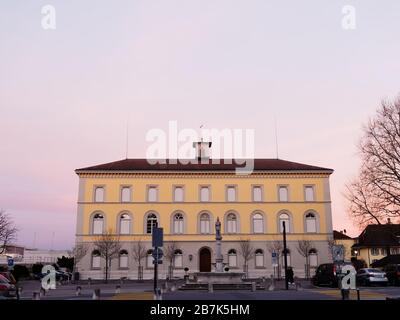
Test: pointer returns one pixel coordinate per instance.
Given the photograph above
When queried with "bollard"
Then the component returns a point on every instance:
(166, 286)
(36, 296)
(358, 294)
(78, 290)
(42, 292)
(117, 289)
(272, 285)
(173, 287)
(20, 290)
(96, 294)
(253, 287)
(298, 286)
(345, 294)
(89, 281)
(210, 287)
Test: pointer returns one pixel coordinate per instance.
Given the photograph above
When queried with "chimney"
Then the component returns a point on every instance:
(202, 150)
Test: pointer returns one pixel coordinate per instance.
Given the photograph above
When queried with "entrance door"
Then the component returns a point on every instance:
(205, 260)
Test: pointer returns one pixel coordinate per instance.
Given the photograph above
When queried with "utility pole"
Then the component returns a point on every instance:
(156, 271)
(285, 255)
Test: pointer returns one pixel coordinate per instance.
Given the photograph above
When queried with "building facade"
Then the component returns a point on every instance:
(376, 242)
(130, 197)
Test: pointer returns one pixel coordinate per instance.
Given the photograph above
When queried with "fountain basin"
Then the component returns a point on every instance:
(217, 277)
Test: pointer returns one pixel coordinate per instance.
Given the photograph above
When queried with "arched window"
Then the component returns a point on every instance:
(124, 223)
(284, 217)
(151, 223)
(96, 259)
(123, 259)
(178, 223)
(258, 223)
(232, 258)
(149, 259)
(232, 223)
(205, 223)
(311, 222)
(98, 223)
(259, 254)
(178, 259)
(289, 262)
(313, 256)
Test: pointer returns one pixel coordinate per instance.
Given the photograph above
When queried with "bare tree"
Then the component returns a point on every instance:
(139, 253)
(8, 232)
(108, 246)
(276, 247)
(170, 256)
(247, 252)
(78, 252)
(304, 247)
(374, 196)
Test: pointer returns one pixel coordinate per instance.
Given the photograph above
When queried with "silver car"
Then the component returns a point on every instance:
(369, 276)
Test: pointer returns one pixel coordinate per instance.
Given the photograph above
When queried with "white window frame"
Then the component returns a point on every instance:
(123, 195)
(208, 193)
(280, 198)
(96, 196)
(253, 194)
(178, 224)
(229, 188)
(205, 223)
(307, 196)
(174, 195)
(149, 196)
(260, 221)
(232, 258)
(125, 221)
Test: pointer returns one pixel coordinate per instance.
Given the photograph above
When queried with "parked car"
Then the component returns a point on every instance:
(393, 274)
(9, 277)
(328, 274)
(370, 276)
(7, 289)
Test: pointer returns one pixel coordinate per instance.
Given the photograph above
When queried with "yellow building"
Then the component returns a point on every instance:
(132, 196)
(347, 242)
(376, 242)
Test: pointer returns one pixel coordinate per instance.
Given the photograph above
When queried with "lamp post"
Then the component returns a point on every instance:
(285, 254)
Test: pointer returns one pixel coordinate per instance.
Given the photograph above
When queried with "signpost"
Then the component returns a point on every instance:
(10, 263)
(285, 255)
(157, 241)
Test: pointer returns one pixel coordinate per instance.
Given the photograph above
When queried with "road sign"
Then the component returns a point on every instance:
(10, 263)
(157, 254)
(157, 237)
(338, 253)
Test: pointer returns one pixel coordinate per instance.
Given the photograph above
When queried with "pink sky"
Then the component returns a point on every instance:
(66, 94)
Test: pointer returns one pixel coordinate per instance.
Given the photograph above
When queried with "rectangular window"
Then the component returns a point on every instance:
(257, 193)
(313, 260)
(126, 195)
(99, 194)
(178, 194)
(123, 262)
(259, 260)
(232, 260)
(375, 251)
(178, 263)
(309, 193)
(204, 194)
(152, 194)
(96, 262)
(231, 193)
(283, 194)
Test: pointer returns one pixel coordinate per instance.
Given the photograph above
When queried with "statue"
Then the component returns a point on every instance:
(218, 230)
(219, 266)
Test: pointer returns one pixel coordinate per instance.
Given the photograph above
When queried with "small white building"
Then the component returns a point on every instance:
(32, 256)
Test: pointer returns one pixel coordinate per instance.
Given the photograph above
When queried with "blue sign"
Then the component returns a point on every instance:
(157, 237)
(10, 262)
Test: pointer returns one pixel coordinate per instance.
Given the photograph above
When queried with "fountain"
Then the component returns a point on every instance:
(218, 276)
